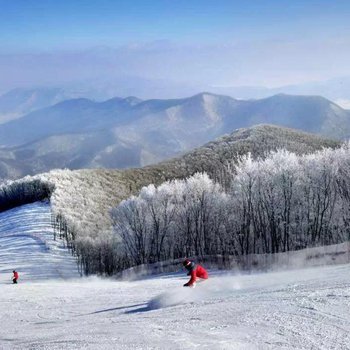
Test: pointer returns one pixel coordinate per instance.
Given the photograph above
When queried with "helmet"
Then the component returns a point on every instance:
(187, 262)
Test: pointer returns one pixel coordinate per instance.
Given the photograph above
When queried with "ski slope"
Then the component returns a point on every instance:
(297, 309)
(27, 244)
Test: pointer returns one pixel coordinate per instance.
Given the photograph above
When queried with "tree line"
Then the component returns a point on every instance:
(280, 203)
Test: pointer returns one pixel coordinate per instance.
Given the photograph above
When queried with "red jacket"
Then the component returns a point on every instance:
(200, 272)
(15, 275)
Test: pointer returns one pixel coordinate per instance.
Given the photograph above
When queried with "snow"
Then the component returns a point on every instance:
(298, 309)
(27, 244)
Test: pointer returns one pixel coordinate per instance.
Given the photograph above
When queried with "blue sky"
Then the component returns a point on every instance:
(47, 24)
(222, 42)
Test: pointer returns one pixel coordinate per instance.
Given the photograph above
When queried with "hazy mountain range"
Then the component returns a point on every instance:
(21, 101)
(130, 132)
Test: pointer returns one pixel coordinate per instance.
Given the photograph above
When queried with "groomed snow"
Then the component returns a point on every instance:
(299, 309)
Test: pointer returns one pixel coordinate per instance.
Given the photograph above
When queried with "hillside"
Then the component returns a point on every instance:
(296, 301)
(82, 200)
(128, 132)
(97, 191)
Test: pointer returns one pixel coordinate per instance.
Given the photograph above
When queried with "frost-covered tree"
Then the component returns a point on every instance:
(287, 202)
(178, 218)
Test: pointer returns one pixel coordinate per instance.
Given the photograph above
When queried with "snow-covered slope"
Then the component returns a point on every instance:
(302, 309)
(27, 244)
(298, 309)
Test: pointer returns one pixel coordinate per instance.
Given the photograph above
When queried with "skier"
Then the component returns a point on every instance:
(195, 271)
(15, 276)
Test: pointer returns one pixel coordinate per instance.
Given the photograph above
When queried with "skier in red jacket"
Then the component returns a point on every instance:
(195, 271)
(15, 276)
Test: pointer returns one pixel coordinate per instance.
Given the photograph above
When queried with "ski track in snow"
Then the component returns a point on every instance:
(297, 309)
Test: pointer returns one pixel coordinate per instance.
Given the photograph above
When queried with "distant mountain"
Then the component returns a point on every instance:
(313, 114)
(129, 132)
(337, 90)
(128, 85)
(18, 102)
(70, 116)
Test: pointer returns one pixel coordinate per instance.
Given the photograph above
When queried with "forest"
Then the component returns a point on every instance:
(281, 203)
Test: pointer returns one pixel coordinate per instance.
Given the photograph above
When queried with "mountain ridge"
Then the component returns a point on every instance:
(130, 132)
(106, 187)
(98, 190)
